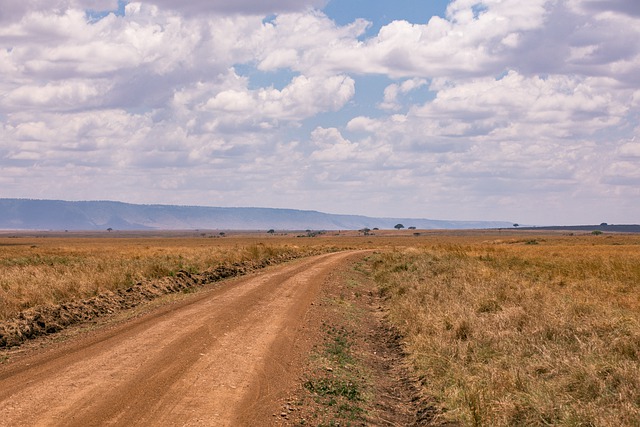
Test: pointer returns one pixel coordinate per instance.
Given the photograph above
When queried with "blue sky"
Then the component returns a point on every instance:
(380, 13)
(463, 109)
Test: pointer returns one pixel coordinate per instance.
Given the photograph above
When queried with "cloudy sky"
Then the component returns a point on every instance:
(524, 111)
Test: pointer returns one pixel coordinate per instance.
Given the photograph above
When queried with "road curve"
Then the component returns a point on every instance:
(211, 360)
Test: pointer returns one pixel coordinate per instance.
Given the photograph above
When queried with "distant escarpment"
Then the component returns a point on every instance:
(27, 214)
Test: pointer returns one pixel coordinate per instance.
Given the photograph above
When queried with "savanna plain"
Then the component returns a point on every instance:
(497, 327)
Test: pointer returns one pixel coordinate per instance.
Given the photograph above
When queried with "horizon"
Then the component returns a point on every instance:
(515, 225)
(234, 207)
(448, 109)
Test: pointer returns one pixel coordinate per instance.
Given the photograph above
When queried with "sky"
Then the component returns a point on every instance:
(458, 110)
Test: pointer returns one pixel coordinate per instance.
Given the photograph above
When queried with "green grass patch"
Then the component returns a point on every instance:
(338, 346)
(334, 387)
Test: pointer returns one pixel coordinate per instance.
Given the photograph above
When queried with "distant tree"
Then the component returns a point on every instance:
(398, 226)
(109, 229)
(271, 231)
(412, 228)
(604, 224)
(516, 225)
(221, 234)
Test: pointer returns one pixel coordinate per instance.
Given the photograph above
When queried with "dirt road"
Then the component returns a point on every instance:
(221, 357)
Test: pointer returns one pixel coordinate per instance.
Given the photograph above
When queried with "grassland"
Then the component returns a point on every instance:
(501, 327)
(540, 330)
(50, 269)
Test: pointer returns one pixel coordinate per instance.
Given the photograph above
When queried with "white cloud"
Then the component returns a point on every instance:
(391, 93)
(306, 43)
(332, 147)
(67, 46)
(630, 149)
(66, 95)
(11, 10)
(534, 103)
(302, 98)
(232, 101)
(623, 173)
(89, 137)
(629, 7)
(533, 37)
(556, 106)
(462, 44)
(500, 142)
(249, 7)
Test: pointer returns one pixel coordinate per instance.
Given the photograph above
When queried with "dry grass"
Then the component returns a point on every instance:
(504, 328)
(52, 267)
(52, 270)
(522, 331)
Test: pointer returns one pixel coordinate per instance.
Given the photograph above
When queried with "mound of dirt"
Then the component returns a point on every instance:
(49, 319)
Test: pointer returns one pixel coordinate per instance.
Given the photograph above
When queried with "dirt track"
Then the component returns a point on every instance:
(221, 357)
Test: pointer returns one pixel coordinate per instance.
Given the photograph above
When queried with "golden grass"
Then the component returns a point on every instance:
(503, 327)
(540, 330)
(52, 270)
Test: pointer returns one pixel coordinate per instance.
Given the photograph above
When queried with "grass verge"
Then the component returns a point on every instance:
(57, 271)
(354, 375)
(338, 383)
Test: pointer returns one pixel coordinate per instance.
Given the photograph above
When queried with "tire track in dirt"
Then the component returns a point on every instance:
(193, 363)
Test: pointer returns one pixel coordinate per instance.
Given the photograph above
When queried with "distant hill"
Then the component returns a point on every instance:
(27, 214)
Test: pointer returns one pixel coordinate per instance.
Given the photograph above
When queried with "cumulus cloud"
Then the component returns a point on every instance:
(510, 136)
(11, 10)
(231, 105)
(631, 149)
(474, 39)
(67, 45)
(67, 95)
(629, 7)
(463, 43)
(135, 60)
(249, 7)
(558, 106)
(391, 93)
(535, 98)
(306, 43)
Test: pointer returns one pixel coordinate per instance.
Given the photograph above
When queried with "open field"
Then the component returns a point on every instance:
(527, 330)
(503, 327)
(53, 267)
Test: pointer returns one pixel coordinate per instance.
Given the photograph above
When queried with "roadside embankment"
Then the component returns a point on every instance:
(52, 318)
